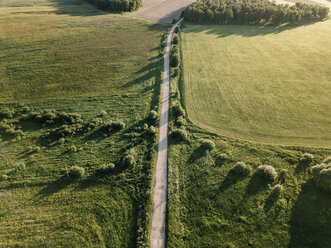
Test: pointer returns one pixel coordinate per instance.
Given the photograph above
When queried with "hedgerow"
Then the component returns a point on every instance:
(252, 12)
(322, 175)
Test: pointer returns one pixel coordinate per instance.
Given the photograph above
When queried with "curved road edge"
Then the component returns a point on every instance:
(158, 229)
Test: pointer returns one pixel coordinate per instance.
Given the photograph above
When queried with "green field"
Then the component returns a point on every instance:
(214, 208)
(66, 56)
(259, 83)
(210, 206)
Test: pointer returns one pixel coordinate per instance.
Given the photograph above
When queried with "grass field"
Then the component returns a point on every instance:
(66, 56)
(210, 206)
(258, 83)
(214, 208)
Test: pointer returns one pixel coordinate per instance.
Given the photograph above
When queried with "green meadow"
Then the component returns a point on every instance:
(242, 87)
(76, 87)
(260, 83)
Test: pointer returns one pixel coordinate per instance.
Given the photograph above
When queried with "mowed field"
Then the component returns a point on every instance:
(264, 84)
(65, 58)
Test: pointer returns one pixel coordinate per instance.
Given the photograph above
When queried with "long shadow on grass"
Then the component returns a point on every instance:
(311, 219)
(69, 7)
(242, 30)
(197, 154)
(231, 179)
(256, 184)
(270, 201)
(56, 186)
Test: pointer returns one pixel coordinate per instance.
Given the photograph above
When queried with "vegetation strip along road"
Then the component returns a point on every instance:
(161, 174)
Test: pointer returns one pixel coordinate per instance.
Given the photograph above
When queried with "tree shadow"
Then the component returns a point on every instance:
(301, 167)
(197, 154)
(271, 200)
(256, 185)
(231, 179)
(98, 178)
(70, 7)
(311, 219)
(223, 31)
(56, 186)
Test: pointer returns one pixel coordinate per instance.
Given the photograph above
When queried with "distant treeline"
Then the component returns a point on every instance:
(252, 12)
(117, 5)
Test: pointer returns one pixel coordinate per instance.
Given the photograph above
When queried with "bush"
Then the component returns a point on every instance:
(106, 168)
(3, 177)
(129, 160)
(283, 173)
(179, 134)
(208, 145)
(177, 29)
(174, 60)
(278, 188)
(323, 179)
(61, 141)
(322, 175)
(307, 158)
(117, 125)
(175, 40)
(103, 113)
(317, 169)
(7, 113)
(113, 126)
(327, 160)
(175, 51)
(151, 130)
(240, 168)
(9, 129)
(177, 111)
(153, 116)
(76, 171)
(267, 172)
(180, 121)
(19, 166)
(73, 148)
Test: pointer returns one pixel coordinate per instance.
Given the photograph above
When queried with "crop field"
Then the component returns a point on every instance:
(260, 83)
(76, 87)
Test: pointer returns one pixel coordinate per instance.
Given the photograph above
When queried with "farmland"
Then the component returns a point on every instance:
(260, 83)
(256, 95)
(76, 87)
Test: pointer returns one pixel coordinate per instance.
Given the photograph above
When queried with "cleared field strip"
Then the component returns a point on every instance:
(162, 11)
(260, 83)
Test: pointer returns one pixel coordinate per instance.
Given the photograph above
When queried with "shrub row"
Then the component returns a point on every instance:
(52, 116)
(252, 12)
(322, 175)
(8, 128)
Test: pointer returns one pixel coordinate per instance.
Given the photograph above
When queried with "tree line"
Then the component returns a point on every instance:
(117, 5)
(253, 12)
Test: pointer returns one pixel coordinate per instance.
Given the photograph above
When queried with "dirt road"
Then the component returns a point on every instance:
(162, 11)
(157, 238)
